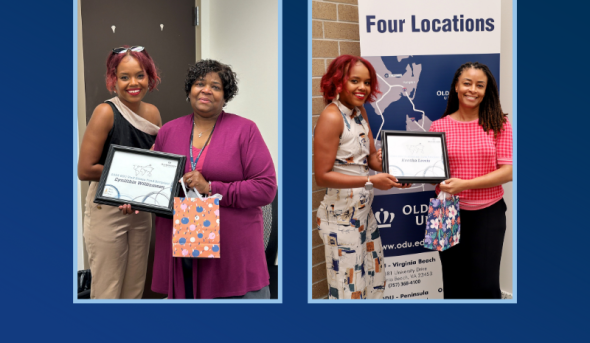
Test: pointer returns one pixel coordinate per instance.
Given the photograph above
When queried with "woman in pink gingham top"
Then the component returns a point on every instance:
(479, 144)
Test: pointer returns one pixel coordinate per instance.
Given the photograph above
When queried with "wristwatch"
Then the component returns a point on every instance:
(369, 184)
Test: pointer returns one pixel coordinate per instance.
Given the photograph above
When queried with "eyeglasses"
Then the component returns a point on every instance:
(122, 50)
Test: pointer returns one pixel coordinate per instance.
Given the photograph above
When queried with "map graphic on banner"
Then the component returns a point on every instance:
(415, 48)
(414, 90)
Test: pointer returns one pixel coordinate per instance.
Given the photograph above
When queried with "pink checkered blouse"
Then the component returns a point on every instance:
(474, 153)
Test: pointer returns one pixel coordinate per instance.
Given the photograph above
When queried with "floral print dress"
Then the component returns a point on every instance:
(346, 224)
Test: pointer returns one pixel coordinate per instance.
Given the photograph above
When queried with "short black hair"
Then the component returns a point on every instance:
(204, 67)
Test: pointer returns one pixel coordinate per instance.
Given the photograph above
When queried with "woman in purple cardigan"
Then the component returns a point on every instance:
(228, 157)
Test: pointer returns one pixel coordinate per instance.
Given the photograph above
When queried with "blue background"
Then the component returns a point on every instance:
(36, 249)
(405, 228)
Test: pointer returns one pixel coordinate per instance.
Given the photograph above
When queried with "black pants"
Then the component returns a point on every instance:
(471, 269)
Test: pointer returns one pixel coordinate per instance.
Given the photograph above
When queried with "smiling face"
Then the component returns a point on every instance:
(132, 81)
(358, 87)
(471, 87)
(206, 95)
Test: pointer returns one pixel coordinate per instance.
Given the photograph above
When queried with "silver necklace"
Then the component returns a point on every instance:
(200, 133)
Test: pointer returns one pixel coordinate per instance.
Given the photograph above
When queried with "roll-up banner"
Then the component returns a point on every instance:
(416, 47)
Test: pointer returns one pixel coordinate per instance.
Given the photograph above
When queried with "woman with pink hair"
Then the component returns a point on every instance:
(343, 153)
(118, 245)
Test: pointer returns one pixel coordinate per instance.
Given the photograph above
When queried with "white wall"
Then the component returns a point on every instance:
(244, 34)
(506, 92)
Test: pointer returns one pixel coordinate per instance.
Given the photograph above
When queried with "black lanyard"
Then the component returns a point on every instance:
(190, 149)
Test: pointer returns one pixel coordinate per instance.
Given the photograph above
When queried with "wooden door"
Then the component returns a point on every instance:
(138, 22)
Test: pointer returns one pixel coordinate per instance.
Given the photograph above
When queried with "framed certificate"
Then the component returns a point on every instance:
(415, 157)
(145, 179)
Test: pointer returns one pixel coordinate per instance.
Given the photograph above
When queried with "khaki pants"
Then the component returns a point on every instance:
(118, 248)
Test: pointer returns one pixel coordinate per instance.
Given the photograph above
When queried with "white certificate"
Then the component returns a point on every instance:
(145, 179)
(415, 157)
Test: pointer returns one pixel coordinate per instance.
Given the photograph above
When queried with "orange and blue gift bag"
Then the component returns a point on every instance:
(196, 226)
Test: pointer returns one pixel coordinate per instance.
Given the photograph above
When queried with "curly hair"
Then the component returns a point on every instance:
(491, 116)
(204, 67)
(336, 76)
(144, 60)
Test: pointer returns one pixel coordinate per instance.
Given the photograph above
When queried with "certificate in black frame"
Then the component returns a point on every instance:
(414, 178)
(141, 206)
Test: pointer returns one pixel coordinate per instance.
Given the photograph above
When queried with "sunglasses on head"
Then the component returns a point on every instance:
(124, 50)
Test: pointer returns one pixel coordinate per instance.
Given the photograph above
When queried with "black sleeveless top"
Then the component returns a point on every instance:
(125, 134)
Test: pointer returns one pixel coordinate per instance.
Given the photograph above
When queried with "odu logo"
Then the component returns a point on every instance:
(384, 218)
(444, 94)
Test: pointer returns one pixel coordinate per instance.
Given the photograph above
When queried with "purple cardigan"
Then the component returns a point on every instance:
(240, 168)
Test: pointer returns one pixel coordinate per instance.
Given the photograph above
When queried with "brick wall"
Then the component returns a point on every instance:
(335, 32)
